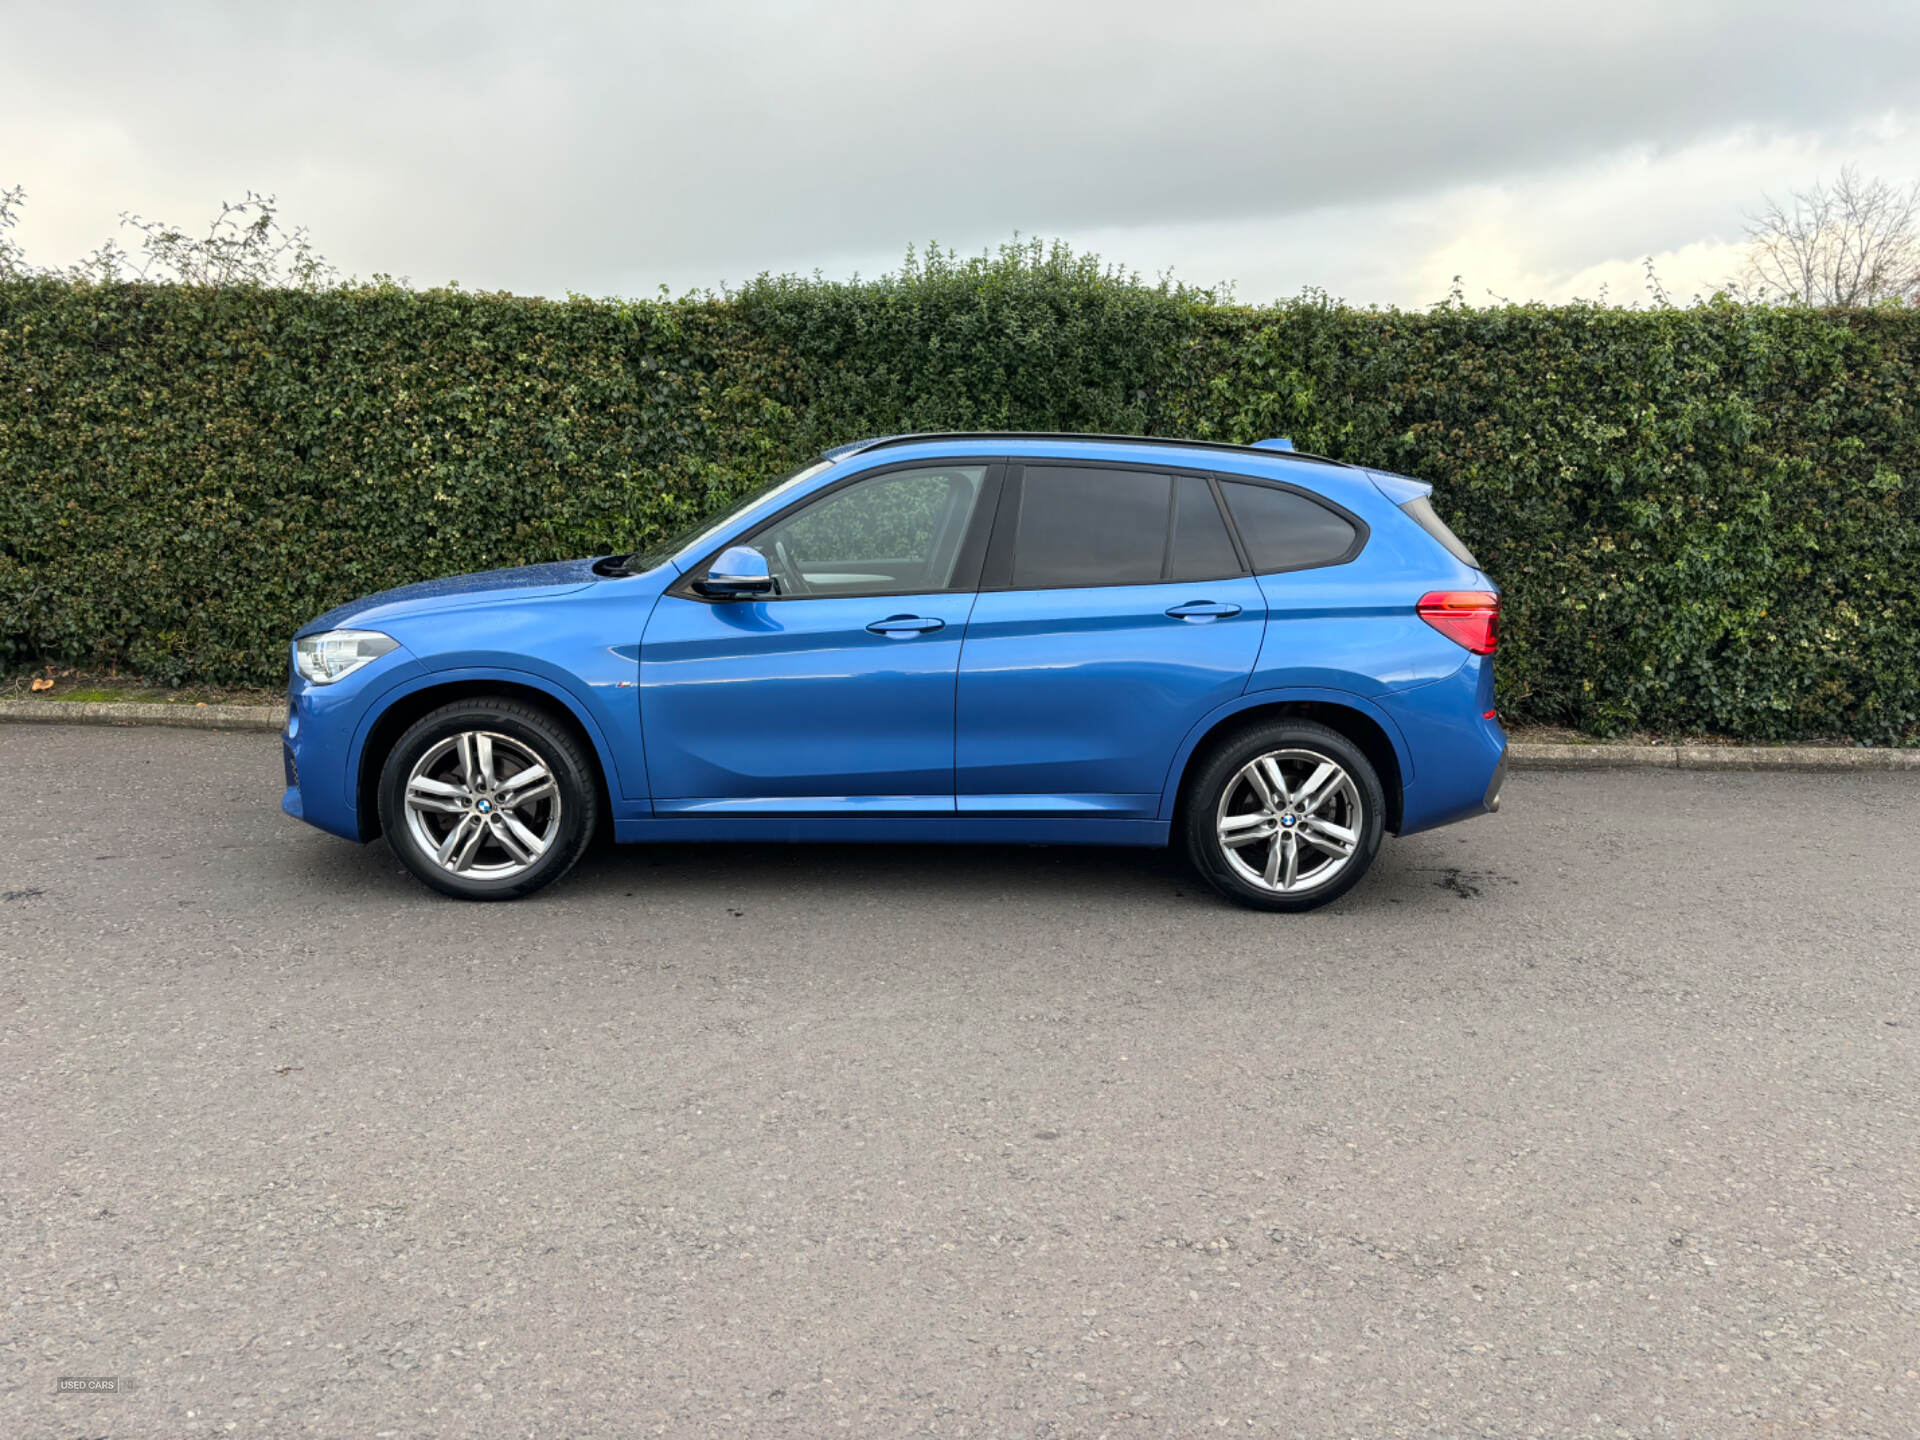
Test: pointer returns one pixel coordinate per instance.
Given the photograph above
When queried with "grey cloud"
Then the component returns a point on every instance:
(542, 147)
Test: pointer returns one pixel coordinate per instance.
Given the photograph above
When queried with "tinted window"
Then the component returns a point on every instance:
(1089, 527)
(1201, 547)
(894, 534)
(1285, 531)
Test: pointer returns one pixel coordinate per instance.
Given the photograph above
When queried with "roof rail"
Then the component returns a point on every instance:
(881, 442)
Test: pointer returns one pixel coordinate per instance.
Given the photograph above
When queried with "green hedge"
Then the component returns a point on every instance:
(1704, 519)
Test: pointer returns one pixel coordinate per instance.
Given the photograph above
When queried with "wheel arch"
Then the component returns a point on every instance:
(1374, 732)
(385, 727)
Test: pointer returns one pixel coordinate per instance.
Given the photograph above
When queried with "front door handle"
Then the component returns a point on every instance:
(1203, 610)
(905, 625)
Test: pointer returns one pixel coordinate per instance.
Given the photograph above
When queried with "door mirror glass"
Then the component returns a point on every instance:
(739, 570)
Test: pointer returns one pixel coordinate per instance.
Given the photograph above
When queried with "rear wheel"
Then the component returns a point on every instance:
(1284, 815)
(488, 799)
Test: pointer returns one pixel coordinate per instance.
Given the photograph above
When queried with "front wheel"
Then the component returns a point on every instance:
(488, 799)
(1285, 815)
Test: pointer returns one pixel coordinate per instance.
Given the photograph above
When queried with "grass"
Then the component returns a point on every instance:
(76, 687)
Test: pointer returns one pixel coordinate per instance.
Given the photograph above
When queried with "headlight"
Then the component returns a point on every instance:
(326, 658)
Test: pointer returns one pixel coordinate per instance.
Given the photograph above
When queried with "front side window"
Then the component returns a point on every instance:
(687, 537)
(1285, 531)
(896, 534)
(1082, 526)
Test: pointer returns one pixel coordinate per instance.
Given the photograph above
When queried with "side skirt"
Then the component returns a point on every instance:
(895, 829)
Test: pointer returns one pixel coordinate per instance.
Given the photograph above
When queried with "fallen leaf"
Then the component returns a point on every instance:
(41, 682)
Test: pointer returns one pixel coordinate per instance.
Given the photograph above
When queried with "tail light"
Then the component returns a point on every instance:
(1466, 617)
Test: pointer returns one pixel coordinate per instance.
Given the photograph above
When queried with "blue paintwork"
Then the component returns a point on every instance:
(1070, 701)
(1003, 716)
(530, 582)
(796, 705)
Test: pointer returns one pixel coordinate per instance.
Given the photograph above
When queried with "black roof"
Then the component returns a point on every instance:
(881, 442)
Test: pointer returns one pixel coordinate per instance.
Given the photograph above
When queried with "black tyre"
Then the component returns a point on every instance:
(1284, 815)
(489, 799)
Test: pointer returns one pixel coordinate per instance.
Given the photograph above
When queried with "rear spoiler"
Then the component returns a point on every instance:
(1415, 502)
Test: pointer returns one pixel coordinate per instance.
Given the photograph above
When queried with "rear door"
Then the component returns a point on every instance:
(1114, 612)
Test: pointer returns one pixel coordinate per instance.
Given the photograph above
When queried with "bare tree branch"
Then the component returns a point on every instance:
(1856, 242)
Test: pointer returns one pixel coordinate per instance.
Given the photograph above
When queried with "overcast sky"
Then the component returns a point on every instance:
(1537, 149)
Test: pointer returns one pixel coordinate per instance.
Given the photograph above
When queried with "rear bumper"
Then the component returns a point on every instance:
(1459, 751)
(1492, 802)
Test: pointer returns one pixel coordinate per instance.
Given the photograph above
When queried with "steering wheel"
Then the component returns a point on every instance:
(791, 582)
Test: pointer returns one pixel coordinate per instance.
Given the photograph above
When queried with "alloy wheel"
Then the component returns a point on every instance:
(1289, 821)
(483, 805)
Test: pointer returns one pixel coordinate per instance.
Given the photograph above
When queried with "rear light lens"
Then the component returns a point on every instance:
(1466, 617)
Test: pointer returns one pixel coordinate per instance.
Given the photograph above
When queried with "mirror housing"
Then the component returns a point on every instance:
(738, 571)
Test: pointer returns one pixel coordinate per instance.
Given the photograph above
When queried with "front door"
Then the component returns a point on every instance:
(1116, 613)
(835, 696)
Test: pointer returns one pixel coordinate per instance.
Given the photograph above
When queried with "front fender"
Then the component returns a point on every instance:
(580, 707)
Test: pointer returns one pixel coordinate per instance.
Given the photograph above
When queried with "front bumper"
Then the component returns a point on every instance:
(318, 747)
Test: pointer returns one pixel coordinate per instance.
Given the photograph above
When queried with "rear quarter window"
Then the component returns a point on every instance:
(1283, 530)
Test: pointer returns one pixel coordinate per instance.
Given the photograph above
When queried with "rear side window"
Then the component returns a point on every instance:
(1089, 527)
(1202, 549)
(1285, 531)
(1421, 511)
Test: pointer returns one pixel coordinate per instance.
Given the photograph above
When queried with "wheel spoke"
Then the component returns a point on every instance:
(530, 784)
(503, 832)
(1291, 845)
(483, 758)
(1274, 859)
(533, 772)
(467, 851)
(538, 792)
(1311, 795)
(428, 794)
(530, 842)
(469, 771)
(1329, 836)
(1238, 830)
(1271, 783)
(455, 836)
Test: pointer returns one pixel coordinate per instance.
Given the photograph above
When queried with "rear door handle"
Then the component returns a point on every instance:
(905, 625)
(1203, 610)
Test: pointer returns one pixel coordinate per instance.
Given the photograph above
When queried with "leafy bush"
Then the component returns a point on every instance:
(1703, 518)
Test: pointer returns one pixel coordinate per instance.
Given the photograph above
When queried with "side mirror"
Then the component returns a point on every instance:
(740, 570)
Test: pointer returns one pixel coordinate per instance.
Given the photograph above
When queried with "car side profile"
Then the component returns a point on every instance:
(1269, 658)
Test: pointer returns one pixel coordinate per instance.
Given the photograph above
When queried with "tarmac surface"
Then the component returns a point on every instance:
(1598, 1117)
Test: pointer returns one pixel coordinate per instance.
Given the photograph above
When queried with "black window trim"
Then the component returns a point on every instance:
(1361, 530)
(967, 564)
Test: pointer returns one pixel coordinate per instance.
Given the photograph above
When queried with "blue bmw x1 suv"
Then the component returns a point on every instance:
(1268, 657)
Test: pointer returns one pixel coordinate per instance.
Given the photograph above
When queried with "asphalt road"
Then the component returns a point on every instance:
(1594, 1118)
